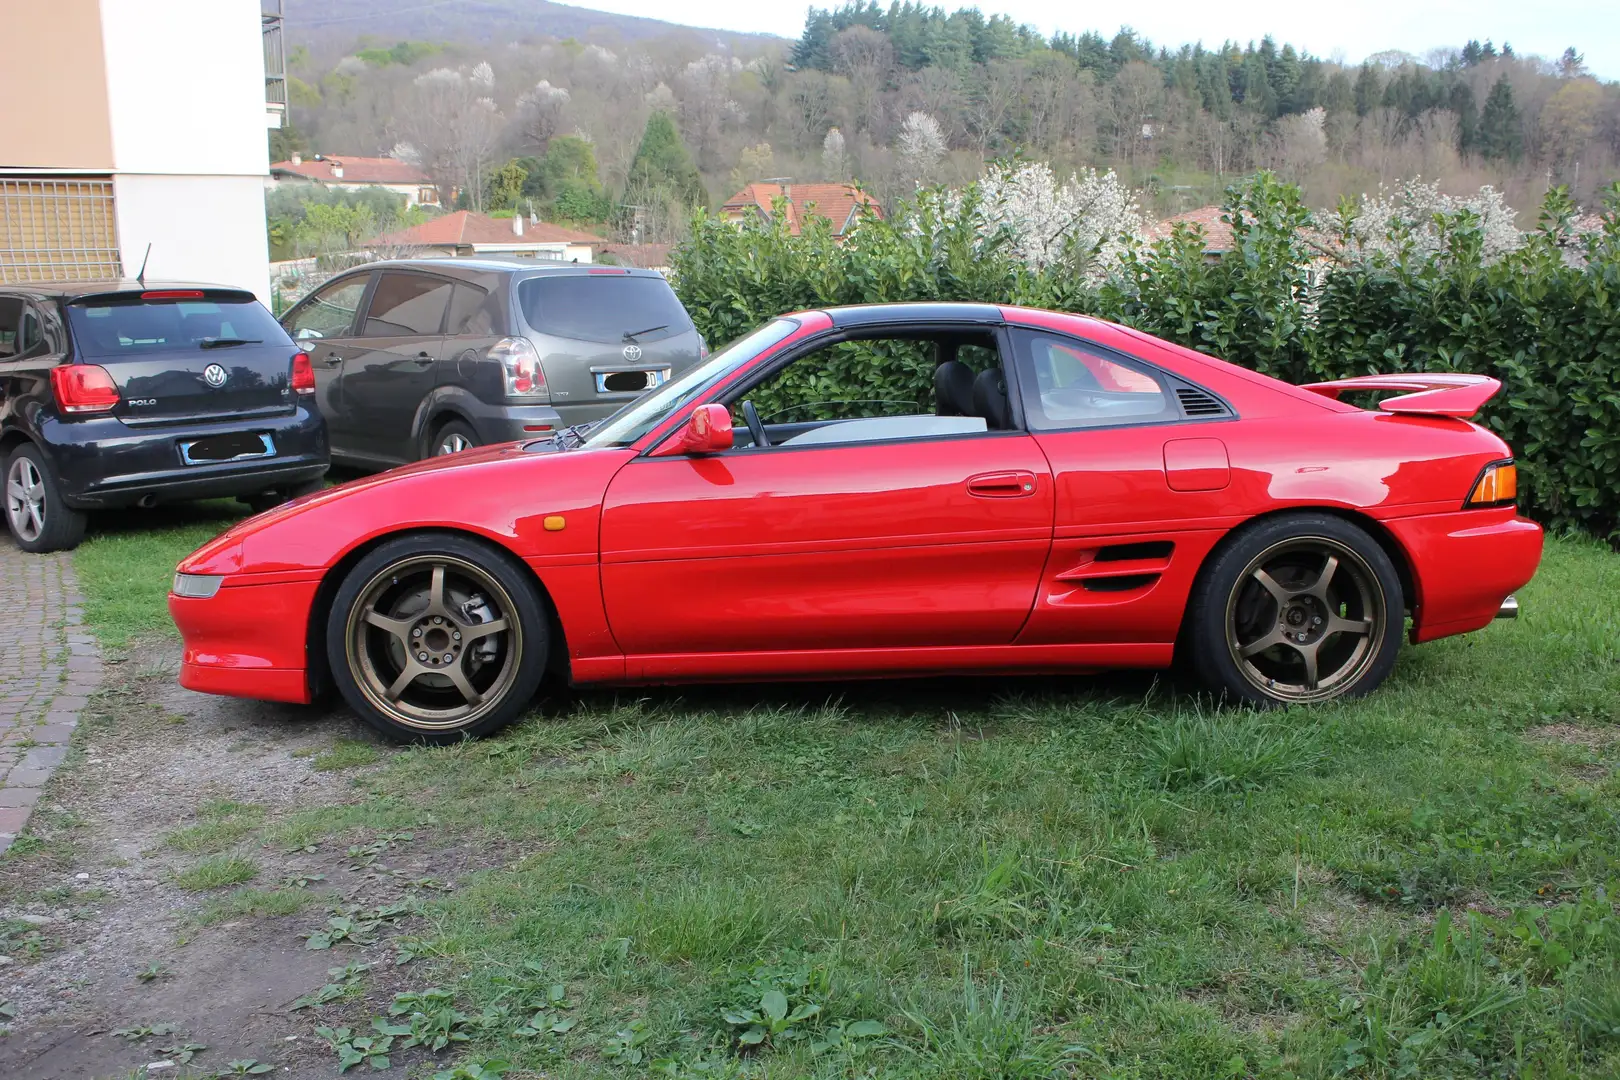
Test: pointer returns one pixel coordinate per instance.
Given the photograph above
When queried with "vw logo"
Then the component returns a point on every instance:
(632, 353)
(214, 375)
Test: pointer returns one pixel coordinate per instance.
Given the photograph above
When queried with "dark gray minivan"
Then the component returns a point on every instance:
(420, 357)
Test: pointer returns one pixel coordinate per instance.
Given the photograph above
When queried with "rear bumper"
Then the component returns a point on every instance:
(1465, 566)
(104, 463)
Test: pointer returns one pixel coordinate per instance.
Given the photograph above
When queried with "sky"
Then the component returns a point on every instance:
(1349, 31)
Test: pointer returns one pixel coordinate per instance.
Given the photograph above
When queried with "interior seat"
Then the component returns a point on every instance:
(953, 389)
(990, 399)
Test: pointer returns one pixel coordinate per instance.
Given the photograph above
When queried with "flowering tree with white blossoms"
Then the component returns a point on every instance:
(1404, 219)
(920, 145)
(1084, 221)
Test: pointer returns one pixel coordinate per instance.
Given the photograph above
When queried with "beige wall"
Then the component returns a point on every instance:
(54, 86)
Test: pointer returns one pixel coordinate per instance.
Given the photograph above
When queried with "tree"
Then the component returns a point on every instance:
(1500, 137)
(540, 110)
(506, 186)
(1570, 119)
(834, 160)
(753, 163)
(451, 126)
(920, 146)
(1572, 65)
(663, 165)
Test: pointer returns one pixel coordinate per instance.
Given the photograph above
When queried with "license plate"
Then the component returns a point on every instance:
(233, 447)
(634, 382)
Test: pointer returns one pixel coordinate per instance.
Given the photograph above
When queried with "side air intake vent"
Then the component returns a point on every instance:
(1196, 403)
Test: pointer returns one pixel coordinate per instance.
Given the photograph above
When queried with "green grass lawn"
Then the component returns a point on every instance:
(1021, 878)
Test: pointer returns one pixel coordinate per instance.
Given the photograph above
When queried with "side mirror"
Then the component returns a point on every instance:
(707, 431)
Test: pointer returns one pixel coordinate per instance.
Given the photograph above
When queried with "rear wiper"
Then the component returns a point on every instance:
(631, 335)
(227, 342)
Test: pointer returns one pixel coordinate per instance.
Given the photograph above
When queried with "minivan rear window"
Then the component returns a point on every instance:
(124, 329)
(603, 307)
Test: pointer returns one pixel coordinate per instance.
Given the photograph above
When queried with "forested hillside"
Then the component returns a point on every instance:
(906, 95)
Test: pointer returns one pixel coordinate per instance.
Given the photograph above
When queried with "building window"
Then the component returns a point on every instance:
(57, 229)
(427, 195)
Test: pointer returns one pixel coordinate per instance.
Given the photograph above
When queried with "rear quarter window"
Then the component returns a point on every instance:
(602, 307)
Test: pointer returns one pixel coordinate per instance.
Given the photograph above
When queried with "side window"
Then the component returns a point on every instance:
(472, 311)
(1069, 384)
(407, 305)
(878, 389)
(11, 314)
(330, 312)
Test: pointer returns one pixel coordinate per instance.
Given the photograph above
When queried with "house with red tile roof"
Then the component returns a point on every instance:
(1217, 233)
(467, 233)
(347, 172)
(839, 203)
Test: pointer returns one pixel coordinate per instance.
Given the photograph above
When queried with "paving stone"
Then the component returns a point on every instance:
(52, 667)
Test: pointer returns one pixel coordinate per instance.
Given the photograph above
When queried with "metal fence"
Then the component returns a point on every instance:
(57, 229)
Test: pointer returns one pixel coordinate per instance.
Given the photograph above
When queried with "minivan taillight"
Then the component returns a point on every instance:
(524, 378)
(83, 388)
(303, 373)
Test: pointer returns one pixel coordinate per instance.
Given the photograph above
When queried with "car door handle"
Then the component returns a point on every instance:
(332, 359)
(423, 358)
(1016, 484)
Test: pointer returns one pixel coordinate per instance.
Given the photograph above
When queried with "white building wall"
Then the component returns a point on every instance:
(185, 89)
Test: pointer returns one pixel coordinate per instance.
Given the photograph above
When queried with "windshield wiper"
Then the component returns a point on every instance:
(575, 431)
(631, 335)
(227, 342)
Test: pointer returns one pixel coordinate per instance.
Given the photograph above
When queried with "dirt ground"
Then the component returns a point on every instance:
(96, 905)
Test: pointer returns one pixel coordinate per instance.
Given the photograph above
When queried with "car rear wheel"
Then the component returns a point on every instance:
(436, 637)
(453, 438)
(36, 515)
(1297, 609)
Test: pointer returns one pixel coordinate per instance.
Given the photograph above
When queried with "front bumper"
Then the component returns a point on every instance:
(104, 463)
(1465, 566)
(248, 639)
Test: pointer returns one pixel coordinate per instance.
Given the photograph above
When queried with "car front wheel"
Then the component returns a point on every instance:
(36, 515)
(1296, 609)
(437, 637)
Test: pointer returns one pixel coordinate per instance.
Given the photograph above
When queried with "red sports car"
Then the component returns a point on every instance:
(887, 490)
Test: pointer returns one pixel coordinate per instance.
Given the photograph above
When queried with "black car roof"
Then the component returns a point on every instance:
(486, 264)
(859, 315)
(69, 290)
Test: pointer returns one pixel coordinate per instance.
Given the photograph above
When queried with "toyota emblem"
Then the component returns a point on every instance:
(632, 353)
(214, 375)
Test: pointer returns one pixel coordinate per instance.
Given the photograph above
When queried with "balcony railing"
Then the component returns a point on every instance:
(275, 57)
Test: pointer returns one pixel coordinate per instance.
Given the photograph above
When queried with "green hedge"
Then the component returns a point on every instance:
(1545, 320)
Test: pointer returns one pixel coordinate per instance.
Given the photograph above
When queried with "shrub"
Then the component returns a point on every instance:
(1297, 297)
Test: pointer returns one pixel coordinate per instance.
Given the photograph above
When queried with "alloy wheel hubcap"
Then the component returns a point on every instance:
(25, 499)
(1306, 620)
(434, 642)
(454, 444)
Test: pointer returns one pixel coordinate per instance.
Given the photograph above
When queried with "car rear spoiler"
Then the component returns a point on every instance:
(1438, 394)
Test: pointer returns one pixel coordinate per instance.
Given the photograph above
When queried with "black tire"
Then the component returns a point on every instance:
(419, 590)
(269, 500)
(452, 438)
(37, 517)
(1264, 627)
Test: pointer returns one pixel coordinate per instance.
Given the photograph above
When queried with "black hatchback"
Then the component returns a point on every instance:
(128, 393)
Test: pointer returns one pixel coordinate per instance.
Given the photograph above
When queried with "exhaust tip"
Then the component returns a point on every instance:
(1509, 609)
(147, 501)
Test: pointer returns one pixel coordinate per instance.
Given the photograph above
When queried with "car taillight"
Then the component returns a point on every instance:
(703, 348)
(303, 373)
(83, 388)
(524, 378)
(1498, 485)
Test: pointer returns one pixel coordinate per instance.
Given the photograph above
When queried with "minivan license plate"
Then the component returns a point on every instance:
(232, 447)
(619, 382)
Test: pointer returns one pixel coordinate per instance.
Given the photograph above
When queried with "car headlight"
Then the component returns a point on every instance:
(197, 586)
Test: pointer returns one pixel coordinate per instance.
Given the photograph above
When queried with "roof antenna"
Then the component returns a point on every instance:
(140, 278)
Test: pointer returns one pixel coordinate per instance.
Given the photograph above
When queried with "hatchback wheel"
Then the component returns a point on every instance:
(36, 515)
(453, 438)
(434, 638)
(1297, 609)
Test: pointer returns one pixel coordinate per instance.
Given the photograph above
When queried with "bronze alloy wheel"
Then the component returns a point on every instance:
(1305, 620)
(434, 642)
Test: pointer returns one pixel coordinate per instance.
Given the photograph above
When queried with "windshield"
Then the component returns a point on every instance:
(642, 415)
(110, 330)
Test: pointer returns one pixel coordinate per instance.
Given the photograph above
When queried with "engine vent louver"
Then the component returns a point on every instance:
(1197, 403)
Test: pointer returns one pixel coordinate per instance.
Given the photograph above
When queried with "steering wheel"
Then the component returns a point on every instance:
(755, 428)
